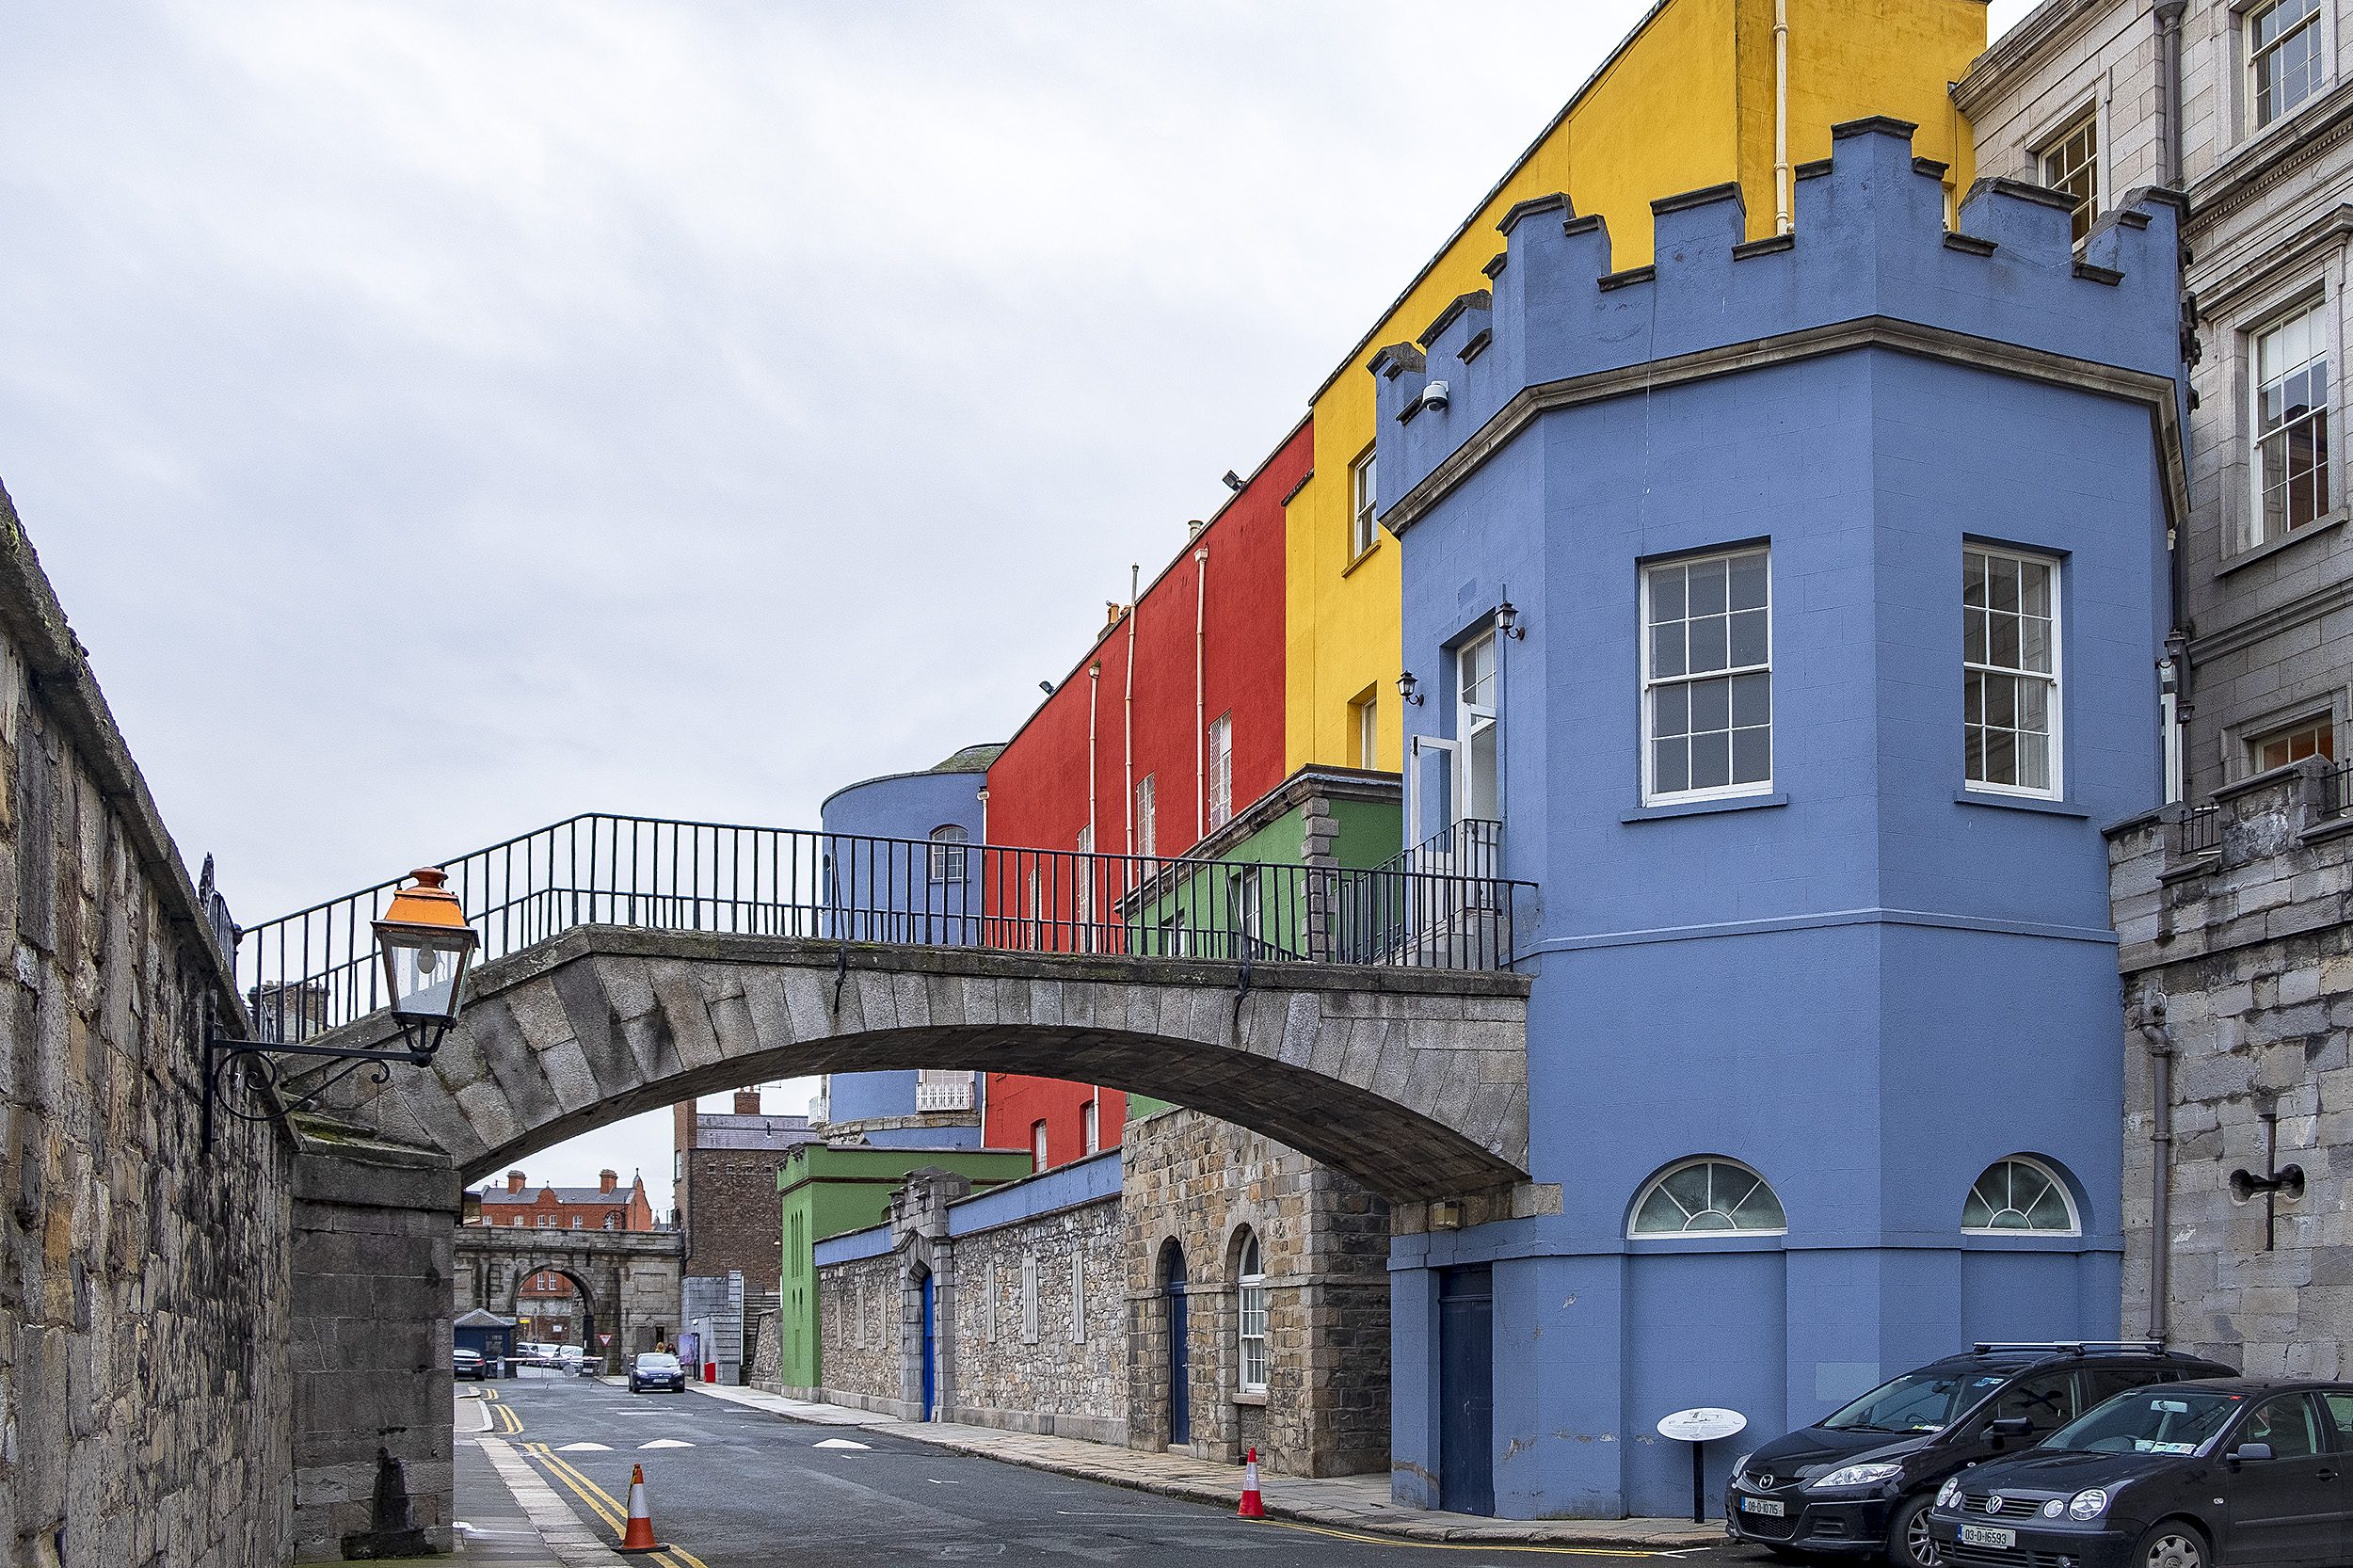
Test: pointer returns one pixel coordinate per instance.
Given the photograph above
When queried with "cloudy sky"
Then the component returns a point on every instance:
(680, 408)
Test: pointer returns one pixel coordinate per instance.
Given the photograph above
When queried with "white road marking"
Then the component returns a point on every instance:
(586, 1449)
(666, 1443)
(840, 1443)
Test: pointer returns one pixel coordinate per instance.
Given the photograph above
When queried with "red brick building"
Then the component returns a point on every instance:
(727, 1188)
(607, 1205)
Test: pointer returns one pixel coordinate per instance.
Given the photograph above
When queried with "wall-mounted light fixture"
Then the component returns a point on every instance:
(1508, 622)
(1445, 1215)
(1233, 481)
(1409, 688)
(1045, 686)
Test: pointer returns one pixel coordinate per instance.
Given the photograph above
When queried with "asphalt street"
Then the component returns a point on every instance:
(737, 1488)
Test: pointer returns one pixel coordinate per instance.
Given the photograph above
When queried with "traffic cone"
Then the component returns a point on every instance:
(1253, 1506)
(640, 1535)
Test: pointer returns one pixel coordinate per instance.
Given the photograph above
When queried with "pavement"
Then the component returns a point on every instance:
(1340, 1502)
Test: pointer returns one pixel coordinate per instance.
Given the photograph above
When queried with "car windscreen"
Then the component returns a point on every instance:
(2165, 1419)
(1917, 1401)
(657, 1363)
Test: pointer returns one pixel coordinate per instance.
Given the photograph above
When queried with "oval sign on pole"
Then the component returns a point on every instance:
(1703, 1425)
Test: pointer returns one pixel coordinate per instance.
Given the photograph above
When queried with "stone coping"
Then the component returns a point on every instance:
(1336, 1502)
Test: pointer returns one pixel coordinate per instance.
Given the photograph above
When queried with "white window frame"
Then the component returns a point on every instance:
(1473, 719)
(1250, 1318)
(2067, 1195)
(2056, 678)
(1364, 503)
(1038, 1145)
(1220, 771)
(1653, 684)
(1367, 717)
(1147, 815)
(2085, 118)
(2318, 306)
(1090, 1122)
(947, 853)
(2255, 737)
(2251, 60)
(1641, 1197)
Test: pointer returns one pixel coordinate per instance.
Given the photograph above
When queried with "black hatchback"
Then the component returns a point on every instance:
(2237, 1470)
(1863, 1478)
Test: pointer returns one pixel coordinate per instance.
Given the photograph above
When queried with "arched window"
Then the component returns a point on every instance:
(1702, 1195)
(948, 842)
(1253, 1316)
(2018, 1195)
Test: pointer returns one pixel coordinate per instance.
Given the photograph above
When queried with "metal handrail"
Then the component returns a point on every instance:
(2201, 830)
(1472, 846)
(317, 969)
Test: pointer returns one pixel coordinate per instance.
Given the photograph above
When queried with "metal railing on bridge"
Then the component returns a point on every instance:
(317, 968)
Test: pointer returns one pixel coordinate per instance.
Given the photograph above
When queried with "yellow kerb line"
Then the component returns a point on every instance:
(1460, 1545)
(603, 1502)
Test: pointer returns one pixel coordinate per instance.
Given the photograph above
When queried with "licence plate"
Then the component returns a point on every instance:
(1771, 1506)
(1987, 1535)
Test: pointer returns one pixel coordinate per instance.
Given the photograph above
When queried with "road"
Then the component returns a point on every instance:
(749, 1489)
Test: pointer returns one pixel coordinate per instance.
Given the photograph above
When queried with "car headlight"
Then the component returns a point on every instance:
(2088, 1504)
(1948, 1495)
(1741, 1466)
(1859, 1475)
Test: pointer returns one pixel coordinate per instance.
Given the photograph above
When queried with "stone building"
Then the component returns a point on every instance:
(2247, 109)
(726, 1188)
(2238, 981)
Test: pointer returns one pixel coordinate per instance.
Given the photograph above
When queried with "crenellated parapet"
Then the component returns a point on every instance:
(1870, 259)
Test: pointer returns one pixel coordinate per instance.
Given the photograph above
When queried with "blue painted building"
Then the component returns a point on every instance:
(1839, 565)
(906, 843)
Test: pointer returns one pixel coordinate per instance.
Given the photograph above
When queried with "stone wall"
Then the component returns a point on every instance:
(2239, 963)
(1025, 1359)
(1198, 1182)
(857, 1314)
(144, 1387)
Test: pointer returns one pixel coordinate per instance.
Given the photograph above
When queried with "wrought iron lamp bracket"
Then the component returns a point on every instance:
(228, 1062)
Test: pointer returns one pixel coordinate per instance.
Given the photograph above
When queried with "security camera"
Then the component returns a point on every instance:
(1434, 395)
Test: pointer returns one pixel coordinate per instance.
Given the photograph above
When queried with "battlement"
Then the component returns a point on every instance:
(1869, 242)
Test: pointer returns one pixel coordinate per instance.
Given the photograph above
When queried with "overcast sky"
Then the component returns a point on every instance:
(440, 419)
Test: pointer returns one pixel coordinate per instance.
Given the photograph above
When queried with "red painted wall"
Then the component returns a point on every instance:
(1037, 790)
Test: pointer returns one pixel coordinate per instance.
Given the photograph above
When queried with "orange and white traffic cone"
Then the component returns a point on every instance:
(1253, 1506)
(640, 1534)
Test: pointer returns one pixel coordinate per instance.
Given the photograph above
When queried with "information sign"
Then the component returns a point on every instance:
(1700, 1427)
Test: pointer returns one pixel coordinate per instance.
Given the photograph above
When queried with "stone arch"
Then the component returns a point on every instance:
(1412, 1082)
(590, 1292)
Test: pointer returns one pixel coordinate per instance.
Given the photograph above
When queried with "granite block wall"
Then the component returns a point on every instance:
(1041, 1325)
(857, 1316)
(145, 1400)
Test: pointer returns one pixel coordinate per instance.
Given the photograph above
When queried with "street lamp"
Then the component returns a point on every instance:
(1409, 688)
(425, 946)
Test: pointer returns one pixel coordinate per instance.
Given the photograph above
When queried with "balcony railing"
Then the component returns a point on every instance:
(317, 968)
(944, 1097)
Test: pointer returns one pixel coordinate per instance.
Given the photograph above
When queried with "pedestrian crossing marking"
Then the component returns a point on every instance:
(840, 1443)
(586, 1449)
(666, 1443)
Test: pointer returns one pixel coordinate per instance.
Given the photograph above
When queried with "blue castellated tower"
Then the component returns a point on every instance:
(1839, 561)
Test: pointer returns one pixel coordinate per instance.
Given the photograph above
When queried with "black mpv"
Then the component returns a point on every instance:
(2237, 1470)
(1863, 1478)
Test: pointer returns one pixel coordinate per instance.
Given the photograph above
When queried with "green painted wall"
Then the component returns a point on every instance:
(827, 1191)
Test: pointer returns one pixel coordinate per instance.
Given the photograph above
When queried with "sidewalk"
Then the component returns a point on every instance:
(509, 1513)
(1338, 1502)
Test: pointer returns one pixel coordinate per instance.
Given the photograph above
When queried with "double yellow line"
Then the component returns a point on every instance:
(503, 1418)
(600, 1503)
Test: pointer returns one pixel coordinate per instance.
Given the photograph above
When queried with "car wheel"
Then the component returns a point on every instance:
(1909, 1542)
(2170, 1543)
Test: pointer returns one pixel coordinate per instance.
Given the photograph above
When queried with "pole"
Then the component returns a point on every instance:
(1699, 1485)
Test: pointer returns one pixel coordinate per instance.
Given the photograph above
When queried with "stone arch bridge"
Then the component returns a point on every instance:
(631, 1280)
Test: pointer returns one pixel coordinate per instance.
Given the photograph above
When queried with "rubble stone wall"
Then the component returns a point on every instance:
(1040, 1324)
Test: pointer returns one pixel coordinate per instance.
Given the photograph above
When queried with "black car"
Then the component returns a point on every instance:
(468, 1364)
(1862, 1480)
(2234, 1470)
(656, 1369)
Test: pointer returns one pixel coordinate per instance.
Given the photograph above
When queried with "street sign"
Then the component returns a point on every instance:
(1703, 1425)
(1699, 1428)
(604, 1339)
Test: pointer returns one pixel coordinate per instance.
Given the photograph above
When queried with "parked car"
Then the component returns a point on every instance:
(1863, 1478)
(2237, 1470)
(468, 1364)
(576, 1359)
(656, 1369)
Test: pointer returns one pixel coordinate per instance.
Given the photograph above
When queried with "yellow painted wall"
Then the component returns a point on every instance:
(1687, 101)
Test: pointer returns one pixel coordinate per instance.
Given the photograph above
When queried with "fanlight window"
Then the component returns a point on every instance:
(2018, 1195)
(1709, 1195)
(947, 853)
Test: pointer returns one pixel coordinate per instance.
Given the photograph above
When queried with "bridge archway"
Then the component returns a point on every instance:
(1411, 1081)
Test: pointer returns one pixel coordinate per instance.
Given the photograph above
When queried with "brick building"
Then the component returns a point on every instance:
(548, 1307)
(607, 1205)
(725, 1176)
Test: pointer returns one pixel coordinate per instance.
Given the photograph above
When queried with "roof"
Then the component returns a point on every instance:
(971, 759)
(620, 1195)
(481, 1318)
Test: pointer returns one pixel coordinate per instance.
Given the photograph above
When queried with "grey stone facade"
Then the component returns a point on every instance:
(2238, 970)
(145, 1404)
(1198, 1183)
(2269, 620)
(629, 1278)
(1041, 1320)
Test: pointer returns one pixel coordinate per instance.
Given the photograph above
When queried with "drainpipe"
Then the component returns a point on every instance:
(1128, 719)
(1781, 224)
(1095, 684)
(1200, 742)
(2159, 1040)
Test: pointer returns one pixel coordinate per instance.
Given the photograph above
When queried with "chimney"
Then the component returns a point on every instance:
(514, 1181)
(747, 1102)
(607, 1179)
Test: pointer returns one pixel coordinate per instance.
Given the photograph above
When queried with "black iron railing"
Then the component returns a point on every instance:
(317, 968)
(2334, 790)
(1472, 847)
(2200, 831)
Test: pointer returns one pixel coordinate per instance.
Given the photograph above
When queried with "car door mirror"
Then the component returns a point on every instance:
(2011, 1426)
(2251, 1450)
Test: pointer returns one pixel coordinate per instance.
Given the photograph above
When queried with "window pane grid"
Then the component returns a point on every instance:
(1708, 654)
(1363, 502)
(2017, 1195)
(1709, 1195)
(2009, 681)
(2284, 47)
(2292, 424)
(2072, 164)
(2311, 739)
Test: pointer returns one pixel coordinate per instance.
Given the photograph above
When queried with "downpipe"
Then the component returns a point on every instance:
(2158, 1039)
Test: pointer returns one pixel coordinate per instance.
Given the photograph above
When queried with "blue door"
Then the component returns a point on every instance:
(1466, 1391)
(931, 1355)
(1180, 1352)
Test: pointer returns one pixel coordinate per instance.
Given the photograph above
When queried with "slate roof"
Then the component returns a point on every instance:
(617, 1198)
